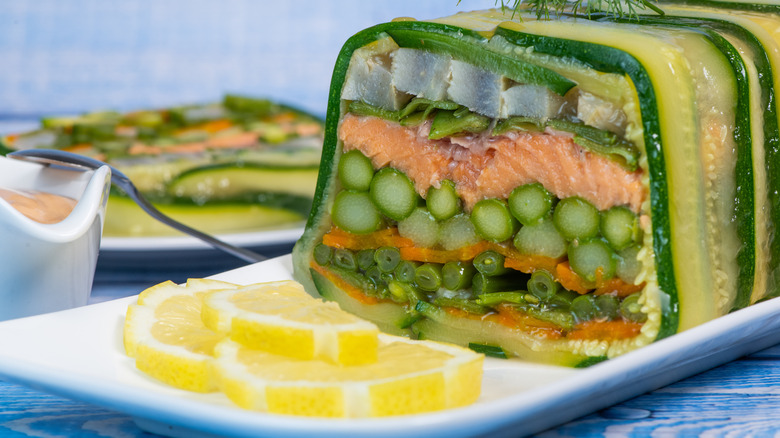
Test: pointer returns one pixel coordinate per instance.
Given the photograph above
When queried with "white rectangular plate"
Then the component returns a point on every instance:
(79, 354)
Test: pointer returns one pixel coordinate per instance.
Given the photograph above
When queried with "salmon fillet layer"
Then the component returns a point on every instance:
(492, 167)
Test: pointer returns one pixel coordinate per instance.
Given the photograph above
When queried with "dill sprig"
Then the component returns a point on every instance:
(544, 8)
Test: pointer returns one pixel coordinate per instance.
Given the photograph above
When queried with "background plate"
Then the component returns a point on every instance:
(78, 354)
(255, 239)
(149, 260)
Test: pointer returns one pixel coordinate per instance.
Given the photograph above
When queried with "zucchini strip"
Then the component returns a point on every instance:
(729, 19)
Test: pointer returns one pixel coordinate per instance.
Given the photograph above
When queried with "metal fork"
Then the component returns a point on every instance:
(71, 160)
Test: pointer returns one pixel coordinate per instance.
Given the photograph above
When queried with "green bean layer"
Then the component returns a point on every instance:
(475, 287)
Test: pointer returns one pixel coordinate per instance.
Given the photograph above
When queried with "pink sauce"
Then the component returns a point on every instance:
(46, 208)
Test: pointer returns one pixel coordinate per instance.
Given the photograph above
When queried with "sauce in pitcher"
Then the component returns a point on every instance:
(43, 207)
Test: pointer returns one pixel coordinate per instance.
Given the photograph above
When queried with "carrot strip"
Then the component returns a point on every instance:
(79, 148)
(284, 117)
(526, 263)
(618, 287)
(233, 141)
(570, 280)
(338, 238)
(505, 315)
(429, 255)
(605, 330)
(211, 126)
(342, 284)
(144, 149)
(511, 317)
(185, 148)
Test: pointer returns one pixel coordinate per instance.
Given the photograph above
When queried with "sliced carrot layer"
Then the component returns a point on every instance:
(509, 316)
(571, 280)
(338, 238)
(79, 148)
(558, 267)
(605, 330)
(618, 287)
(429, 255)
(212, 126)
(526, 263)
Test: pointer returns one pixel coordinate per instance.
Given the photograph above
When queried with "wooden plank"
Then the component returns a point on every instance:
(669, 414)
(747, 376)
(740, 398)
(27, 412)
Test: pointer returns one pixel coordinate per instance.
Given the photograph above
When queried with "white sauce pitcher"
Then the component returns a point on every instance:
(50, 267)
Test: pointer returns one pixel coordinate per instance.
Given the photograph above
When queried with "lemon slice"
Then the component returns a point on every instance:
(165, 334)
(408, 377)
(281, 318)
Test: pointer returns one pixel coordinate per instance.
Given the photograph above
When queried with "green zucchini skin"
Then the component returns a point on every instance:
(745, 205)
(229, 180)
(771, 135)
(771, 128)
(300, 205)
(4, 147)
(446, 39)
(756, 6)
(249, 211)
(264, 211)
(744, 175)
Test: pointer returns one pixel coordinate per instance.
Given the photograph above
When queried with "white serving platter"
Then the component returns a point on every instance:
(78, 354)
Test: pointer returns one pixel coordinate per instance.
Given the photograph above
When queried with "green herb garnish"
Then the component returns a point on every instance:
(544, 8)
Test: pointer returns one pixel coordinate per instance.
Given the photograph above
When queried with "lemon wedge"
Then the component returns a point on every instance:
(408, 377)
(281, 318)
(165, 334)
